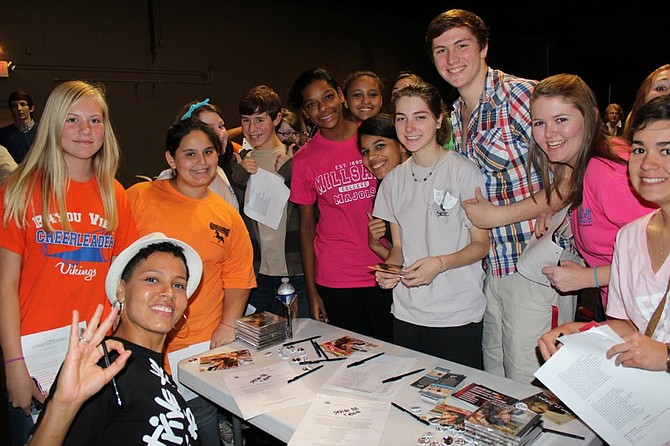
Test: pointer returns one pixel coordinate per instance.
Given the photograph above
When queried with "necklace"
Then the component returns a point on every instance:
(660, 236)
(416, 180)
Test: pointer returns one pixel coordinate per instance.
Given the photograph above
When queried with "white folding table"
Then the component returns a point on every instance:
(400, 427)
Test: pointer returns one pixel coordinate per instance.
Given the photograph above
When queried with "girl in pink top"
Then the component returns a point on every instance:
(608, 203)
(330, 180)
(640, 262)
(589, 173)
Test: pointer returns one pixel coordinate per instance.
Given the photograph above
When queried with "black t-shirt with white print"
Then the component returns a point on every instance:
(153, 413)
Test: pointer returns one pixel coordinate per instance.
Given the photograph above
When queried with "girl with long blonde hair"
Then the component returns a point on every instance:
(64, 217)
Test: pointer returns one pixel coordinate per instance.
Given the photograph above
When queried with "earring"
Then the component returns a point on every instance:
(118, 305)
(174, 327)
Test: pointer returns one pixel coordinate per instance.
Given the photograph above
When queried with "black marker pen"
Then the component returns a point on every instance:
(107, 363)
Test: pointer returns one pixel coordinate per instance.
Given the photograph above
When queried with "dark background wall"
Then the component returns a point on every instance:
(155, 55)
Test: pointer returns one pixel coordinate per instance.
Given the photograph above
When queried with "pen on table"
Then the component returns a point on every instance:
(556, 342)
(286, 344)
(416, 417)
(316, 361)
(107, 363)
(305, 373)
(397, 377)
(316, 347)
(362, 361)
(565, 434)
(323, 353)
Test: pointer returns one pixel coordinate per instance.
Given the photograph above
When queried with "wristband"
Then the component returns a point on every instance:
(595, 276)
(20, 358)
(227, 325)
(667, 359)
(442, 268)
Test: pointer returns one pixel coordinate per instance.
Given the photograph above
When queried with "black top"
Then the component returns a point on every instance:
(153, 412)
(17, 142)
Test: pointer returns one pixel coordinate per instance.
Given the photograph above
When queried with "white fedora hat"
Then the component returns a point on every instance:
(121, 261)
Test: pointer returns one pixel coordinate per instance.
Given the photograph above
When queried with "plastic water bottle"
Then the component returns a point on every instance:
(287, 303)
(285, 292)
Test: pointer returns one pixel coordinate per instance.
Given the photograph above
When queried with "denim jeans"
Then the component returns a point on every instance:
(20, 425)
(263, 297)
(206, 417)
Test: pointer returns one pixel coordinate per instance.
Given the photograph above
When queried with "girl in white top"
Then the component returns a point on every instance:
(438, 302)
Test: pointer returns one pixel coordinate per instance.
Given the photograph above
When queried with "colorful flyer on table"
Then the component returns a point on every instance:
(346, 345)
(225, 360)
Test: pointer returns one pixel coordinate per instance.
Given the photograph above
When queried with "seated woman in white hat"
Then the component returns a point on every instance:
(148, 284)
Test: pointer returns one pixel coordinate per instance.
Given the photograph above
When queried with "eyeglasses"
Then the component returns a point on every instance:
(287, 134)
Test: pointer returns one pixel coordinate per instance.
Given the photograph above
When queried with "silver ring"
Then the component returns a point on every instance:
(81, 339)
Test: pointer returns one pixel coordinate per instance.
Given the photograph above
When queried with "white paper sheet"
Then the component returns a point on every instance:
(45, 352)
(366, 379)
(178, 355)
(625, 406)
(263, 389)
(335, 421)
(542, 252)
(266, 198)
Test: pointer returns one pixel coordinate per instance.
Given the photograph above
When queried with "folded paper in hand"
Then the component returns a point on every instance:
(626, 406)
(265, 198)
(542, 252)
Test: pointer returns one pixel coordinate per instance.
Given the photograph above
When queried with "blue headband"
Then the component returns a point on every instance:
(193, 108)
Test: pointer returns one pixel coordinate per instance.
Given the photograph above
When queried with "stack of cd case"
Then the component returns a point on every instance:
(261, 330)
(500, 424)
